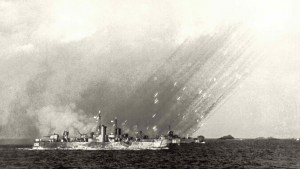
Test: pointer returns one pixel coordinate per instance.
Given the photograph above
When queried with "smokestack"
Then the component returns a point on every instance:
(118, 132)
(92, 134)
(116, 127)
(103, 133)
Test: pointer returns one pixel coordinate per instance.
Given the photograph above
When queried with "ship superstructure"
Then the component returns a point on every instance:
(100, 140)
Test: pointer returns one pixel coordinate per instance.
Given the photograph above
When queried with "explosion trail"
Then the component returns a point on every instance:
(207, 108)
(195, 79)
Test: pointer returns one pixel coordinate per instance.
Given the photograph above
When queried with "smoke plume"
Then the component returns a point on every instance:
(149, 64)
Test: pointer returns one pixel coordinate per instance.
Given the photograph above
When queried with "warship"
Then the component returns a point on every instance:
(100, 140)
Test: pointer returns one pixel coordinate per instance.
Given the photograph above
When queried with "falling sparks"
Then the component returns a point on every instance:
(155, 101)
(200, 81)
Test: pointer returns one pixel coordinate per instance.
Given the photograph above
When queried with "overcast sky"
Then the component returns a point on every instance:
(56, 55)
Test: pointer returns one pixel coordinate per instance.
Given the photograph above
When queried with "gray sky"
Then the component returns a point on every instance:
(268, 102)
(62, 61)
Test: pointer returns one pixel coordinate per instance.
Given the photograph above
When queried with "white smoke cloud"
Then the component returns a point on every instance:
(56, 119)
(28, 48)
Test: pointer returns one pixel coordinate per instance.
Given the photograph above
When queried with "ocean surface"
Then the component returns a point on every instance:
(213, 154)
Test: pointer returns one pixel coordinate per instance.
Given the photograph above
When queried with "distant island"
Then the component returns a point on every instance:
(227, 137)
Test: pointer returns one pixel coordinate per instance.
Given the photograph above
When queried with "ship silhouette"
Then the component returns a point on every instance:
(100, 140)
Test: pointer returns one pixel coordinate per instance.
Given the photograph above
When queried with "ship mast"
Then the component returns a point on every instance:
(99, 123)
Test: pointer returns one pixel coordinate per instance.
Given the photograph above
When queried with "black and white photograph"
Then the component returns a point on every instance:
(150, 84)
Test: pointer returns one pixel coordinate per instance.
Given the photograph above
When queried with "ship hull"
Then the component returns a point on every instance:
(44, 145)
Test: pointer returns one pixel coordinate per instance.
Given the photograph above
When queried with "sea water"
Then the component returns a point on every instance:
(246, 153)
